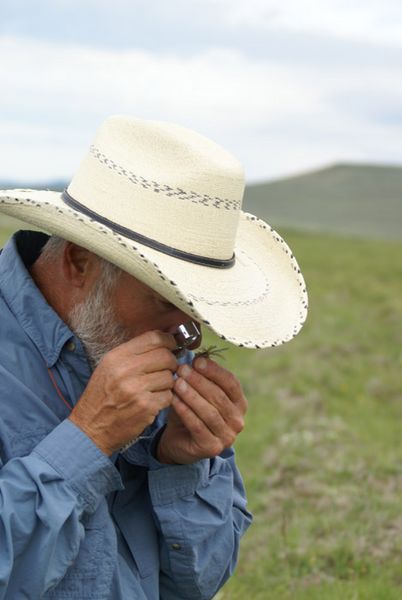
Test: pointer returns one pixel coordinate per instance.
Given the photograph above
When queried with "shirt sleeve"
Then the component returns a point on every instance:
(200, 512)
(43, 497)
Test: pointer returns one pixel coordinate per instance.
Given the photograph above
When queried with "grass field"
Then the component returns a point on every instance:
(321, 454)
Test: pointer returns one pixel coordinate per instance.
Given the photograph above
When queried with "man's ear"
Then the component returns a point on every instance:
(80, 266)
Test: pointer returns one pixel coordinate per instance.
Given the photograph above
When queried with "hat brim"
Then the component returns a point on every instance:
(259, 302)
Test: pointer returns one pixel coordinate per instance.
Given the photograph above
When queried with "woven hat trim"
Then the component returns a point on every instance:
(163, 188)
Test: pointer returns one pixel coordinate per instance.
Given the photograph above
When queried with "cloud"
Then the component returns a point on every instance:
(373, 21)
(276, 118)
(183, 26)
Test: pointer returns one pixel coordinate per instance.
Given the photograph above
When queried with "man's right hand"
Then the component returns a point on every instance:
(127, 390)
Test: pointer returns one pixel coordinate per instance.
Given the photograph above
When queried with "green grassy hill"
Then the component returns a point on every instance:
(357, 200)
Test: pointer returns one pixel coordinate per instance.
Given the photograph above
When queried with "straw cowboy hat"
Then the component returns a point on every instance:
(164, 203)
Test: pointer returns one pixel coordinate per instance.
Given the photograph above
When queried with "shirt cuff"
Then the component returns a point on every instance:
(168, 483)
(79, 462)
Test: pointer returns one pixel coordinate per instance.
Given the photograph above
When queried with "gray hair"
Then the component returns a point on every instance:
(93, 321)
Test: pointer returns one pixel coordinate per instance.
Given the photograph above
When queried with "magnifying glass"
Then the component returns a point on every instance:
(185, 335)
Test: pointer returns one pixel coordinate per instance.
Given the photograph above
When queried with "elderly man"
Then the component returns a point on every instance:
(117, 476)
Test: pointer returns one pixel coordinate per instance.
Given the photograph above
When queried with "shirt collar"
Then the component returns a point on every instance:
(38, 319)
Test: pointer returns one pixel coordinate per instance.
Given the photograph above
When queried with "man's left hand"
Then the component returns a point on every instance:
(206, 415)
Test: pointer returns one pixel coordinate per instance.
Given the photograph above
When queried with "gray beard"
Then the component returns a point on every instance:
(95, 324)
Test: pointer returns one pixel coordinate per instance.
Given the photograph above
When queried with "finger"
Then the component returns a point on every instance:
(223, 379)
(158, 359)
(145, 401)
(150, 340)
(163, 399)
(159, 381)
(122, 361)
(156, 402)
(231, 412)
(206, 388)
(206, 412)
(200, 433)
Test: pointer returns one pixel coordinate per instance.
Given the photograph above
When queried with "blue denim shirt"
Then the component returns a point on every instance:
(73, 522)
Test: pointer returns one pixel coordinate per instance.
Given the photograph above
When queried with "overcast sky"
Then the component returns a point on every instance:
(286, 85)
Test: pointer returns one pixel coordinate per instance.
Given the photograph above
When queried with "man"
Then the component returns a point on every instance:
(118, 479)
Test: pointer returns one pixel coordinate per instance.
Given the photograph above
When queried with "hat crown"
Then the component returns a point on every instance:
(165, 183)
(169, 188)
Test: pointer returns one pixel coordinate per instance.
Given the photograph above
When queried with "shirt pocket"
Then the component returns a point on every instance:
(85, 577)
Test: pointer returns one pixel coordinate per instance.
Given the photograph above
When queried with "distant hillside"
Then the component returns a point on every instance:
(9, 222)
(357, 200)
(360, 200)
(52, 185)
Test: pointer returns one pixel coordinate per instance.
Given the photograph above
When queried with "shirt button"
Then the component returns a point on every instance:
(176, 546)
(70, 346)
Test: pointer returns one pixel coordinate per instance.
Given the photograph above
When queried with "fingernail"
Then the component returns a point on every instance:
(181, 385)
(201, 364)
(185, 371)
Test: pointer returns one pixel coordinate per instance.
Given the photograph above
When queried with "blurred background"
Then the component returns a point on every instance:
(308, 95)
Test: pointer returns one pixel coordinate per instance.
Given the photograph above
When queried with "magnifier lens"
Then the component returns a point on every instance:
(186, 334)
